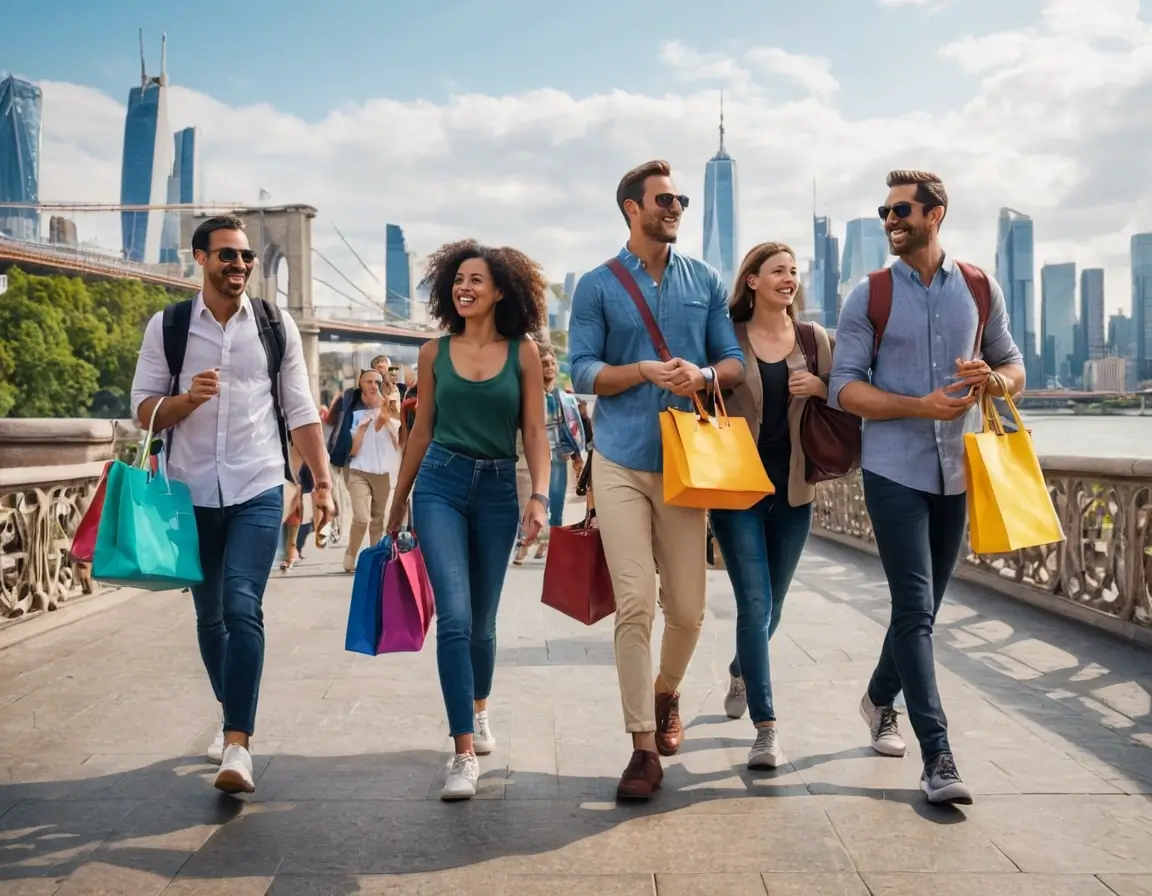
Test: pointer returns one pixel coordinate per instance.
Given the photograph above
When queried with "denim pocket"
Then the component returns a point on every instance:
(436, 458)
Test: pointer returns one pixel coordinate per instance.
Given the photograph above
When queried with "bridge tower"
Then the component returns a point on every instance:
(284, 233)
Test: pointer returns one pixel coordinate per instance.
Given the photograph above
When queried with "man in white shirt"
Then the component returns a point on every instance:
(226, 442)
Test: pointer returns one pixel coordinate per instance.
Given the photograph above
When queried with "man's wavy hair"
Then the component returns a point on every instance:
(929, 188)
(521, 312)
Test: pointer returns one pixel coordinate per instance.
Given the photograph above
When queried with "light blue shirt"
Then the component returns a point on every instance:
(928, 329)
(691, 308)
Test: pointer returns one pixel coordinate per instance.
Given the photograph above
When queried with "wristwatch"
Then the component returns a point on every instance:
(543, 499)
(709, 377)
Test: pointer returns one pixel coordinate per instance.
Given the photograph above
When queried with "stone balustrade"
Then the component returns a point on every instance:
(48, 472)
(1100, 574)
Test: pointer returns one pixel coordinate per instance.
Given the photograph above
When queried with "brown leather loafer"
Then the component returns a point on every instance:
(669, 731)
(641, 778)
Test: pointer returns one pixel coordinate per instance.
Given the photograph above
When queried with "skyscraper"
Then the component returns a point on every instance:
(825, 292)
(1016, 274)
(147, 163)
(865, 250)
(1141, 248)
(21, 105)
(721, 240)
(397, 274)
(1057, 320)
(1091, 315)
(181, 191)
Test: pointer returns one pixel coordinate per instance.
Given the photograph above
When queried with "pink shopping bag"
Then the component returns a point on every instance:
(84, 541)
(407, 603)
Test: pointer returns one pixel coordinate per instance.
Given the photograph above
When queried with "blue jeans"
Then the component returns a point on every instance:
(919, 537)
(557, 492)
(761, 548)
(237, 549)
(465, 515)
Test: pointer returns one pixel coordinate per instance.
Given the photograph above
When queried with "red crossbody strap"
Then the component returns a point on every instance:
(633, 289)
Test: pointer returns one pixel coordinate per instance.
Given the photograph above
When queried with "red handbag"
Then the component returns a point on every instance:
(576, 577)
(84, 541)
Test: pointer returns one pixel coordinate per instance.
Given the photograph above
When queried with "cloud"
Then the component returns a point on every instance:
(1056, 126)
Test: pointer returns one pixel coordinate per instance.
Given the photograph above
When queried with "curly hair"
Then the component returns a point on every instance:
(521, 312)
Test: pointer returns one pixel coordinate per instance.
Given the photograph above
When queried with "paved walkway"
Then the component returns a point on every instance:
(103, 723)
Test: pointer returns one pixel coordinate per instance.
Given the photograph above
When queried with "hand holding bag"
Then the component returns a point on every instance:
(710, 462)
(147, 536)
(830, 439)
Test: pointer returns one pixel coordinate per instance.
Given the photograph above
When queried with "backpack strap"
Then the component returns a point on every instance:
(879, 305)
(981, 291)
(270, 327)
(177, 320)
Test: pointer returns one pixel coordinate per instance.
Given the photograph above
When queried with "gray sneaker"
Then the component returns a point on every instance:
(736, 700)
(884, 726)
(942, 783)
(766, 752)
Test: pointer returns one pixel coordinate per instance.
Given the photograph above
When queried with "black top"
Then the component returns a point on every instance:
(775, 443)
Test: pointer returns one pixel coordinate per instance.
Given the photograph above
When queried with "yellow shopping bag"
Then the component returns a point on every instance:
(711, 462)
(1009, 507)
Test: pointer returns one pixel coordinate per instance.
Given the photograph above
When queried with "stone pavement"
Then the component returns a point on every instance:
(103, 724)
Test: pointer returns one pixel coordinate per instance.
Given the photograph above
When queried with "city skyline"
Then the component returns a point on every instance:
(145, 166)
(20, 148)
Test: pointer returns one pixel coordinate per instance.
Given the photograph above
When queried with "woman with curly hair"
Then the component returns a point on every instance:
(480, 384)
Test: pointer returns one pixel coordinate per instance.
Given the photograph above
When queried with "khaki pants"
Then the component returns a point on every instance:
(369, 495)
(636, 527)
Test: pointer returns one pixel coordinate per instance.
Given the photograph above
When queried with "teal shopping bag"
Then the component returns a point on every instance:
(147, 535)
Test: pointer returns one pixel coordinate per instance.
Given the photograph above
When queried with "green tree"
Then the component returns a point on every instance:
(62, 340)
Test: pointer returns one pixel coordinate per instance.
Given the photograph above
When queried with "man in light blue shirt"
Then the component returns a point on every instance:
(917, 394)
(613, 356)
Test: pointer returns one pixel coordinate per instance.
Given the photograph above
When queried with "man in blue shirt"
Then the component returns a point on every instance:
(917, 393)
(613, 356)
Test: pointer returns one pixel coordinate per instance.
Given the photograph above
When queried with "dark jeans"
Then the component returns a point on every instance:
(237, 549)
(465, 514)
(761, 548)
(919, 537)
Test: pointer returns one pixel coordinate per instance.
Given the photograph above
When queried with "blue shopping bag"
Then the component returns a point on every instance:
(365, 612)
(147, 535)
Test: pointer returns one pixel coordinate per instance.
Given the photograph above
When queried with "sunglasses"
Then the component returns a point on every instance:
(229, 255)
(900, 209)
(665, 200)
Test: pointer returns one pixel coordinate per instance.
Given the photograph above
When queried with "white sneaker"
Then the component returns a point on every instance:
(766, 752)
(884, 726)
(216, 750)
(736, 701)
(235, 775)
(482, 740)
(462, 778)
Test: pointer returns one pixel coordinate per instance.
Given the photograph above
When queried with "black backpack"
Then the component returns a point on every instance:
(269, 324)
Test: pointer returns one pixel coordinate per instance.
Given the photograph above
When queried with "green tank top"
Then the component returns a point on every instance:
(477, 419)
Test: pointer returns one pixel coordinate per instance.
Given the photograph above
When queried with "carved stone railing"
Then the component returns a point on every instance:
(1104, 566)
(48, 473)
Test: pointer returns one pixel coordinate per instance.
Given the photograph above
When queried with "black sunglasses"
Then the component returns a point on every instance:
(901, 209)
(228, 255)
(665, 200)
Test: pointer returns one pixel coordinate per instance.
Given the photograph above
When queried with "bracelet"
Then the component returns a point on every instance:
(640, 370)
(536, 496)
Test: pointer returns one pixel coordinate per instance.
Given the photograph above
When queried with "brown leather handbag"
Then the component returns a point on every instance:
(829, 438)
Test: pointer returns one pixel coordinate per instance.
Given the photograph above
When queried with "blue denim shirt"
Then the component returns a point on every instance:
(691, 307)
(928, 329)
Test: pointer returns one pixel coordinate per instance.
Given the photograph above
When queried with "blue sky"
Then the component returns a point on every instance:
(306, 58)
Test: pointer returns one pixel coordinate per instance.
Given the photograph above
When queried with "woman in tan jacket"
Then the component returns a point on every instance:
(762, 545)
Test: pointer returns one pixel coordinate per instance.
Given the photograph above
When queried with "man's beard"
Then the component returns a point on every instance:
(654, 230)
(220, 281)
(916, 238)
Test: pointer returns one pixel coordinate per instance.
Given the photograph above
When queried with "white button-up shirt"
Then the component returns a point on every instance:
(228, 450)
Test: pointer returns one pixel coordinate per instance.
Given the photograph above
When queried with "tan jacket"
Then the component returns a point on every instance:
(747, 401)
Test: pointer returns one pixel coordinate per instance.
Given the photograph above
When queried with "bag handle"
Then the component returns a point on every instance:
(633, 289)
(146, 446)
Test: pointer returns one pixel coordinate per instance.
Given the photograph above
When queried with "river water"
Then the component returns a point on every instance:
(1067, 434)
